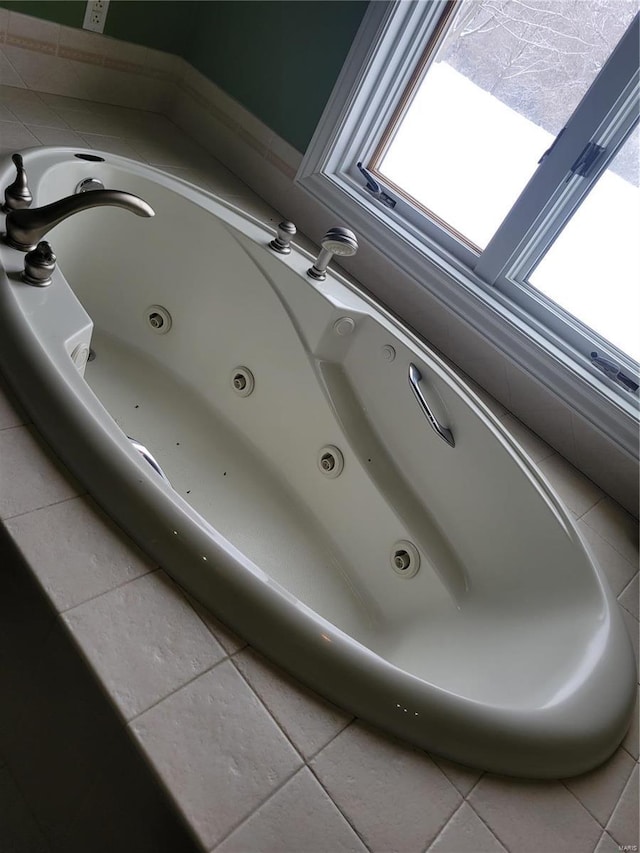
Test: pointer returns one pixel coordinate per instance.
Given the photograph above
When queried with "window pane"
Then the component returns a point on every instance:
(593, 268)
(505, 79)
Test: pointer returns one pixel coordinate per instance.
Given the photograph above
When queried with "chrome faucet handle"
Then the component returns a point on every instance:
(39, 263)
(17, 195)
(286, 231)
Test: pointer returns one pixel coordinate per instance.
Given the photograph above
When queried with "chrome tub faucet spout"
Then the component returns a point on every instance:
(25, 228)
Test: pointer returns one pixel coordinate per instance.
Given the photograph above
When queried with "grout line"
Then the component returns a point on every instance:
(331, 740)
(474, 786)
(622, 592)
(55, 503)
(308, 760)
(305, 761)
(11, 66)
(582, 514)
(265, 706)
(628, 784)
(128, 721)
(602, 536)
(5, 518)
(152, 570)
(343, 813)
(586, 808)
(190, 599)
(164, 788)
(444, 826)
(488, 825)
(257, 808)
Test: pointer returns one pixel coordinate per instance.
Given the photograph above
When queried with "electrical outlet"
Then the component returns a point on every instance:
(95, 15)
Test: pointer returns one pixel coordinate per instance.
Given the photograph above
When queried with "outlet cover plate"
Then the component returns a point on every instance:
(95, 15)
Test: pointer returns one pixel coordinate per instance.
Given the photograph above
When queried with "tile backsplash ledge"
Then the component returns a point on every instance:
(48, 57)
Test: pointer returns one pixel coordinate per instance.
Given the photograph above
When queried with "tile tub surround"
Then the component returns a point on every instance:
(253, 760)
(70, 64)
(67, 765)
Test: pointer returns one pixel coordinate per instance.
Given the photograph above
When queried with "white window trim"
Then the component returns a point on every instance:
(374, 76)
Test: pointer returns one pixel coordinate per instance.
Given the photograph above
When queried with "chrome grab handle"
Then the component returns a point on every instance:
(146, 454)
(414, 380)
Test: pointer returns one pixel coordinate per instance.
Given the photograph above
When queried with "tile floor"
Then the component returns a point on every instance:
(254, 761)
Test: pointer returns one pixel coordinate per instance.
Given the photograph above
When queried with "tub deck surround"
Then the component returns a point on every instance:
(364, 788)
(453, 659)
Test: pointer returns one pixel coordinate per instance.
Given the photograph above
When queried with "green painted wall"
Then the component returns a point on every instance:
(161, 24)
(67, 12)
(278, 58)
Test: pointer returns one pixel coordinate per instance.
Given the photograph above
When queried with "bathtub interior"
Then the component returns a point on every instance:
(491, 592)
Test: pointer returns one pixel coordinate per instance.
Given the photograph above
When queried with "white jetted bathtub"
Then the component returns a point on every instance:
(306, 480)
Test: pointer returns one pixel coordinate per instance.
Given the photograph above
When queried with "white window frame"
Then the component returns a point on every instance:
(383, 57)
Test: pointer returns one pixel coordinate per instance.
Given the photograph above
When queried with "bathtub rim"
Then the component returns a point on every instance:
(119, 481)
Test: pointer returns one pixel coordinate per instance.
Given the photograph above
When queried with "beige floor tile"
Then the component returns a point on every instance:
(19, 94)
(227, 638)
(37, 113)
(76, 551)
(395, 797)
(623, 826)
(56, 135)
(307, 719)
(633, 627)
(466, 833)
(534, 447)
(615, 525)
(172, 148)
(630, 742)
(59, 103)
(212, 178)
(112, 144)
(629, 598)
(574, 489)
(607, 845)
(542, 412)
(39, 70)
(6, 114)
(14, 136)
(85, 121)
(298, 817)
(617, 569)
(143, 640)
(217, 749)
(600, 789)
(464, 778)
(528, 817)
(30, 478)
(9, 77)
